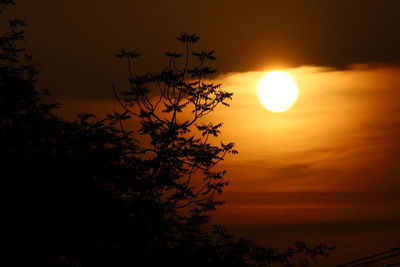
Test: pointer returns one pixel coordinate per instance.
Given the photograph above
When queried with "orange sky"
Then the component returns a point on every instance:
(327, 170)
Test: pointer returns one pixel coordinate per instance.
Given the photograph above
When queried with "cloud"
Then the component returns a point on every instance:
(335, 150)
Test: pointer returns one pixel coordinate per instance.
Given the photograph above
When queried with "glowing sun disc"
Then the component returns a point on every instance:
(277, 91)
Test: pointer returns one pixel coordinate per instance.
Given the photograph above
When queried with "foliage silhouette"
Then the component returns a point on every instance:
(91, 193)
(178, 150)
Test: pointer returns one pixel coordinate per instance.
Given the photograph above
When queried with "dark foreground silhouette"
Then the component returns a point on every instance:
(92, 193)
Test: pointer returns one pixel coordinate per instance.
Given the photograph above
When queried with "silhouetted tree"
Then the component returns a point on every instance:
(59, 179)
(92, 193)
(180, 158)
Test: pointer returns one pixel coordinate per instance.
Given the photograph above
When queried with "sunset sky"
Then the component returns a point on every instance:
(327, 170)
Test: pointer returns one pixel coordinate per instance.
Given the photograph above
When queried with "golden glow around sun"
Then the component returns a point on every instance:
(277, 91)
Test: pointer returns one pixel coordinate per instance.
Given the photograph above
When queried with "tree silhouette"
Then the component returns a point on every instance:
(180, 158)
(59, 178)
(95, 193)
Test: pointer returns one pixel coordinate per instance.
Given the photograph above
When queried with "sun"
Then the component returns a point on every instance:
(277, 91)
